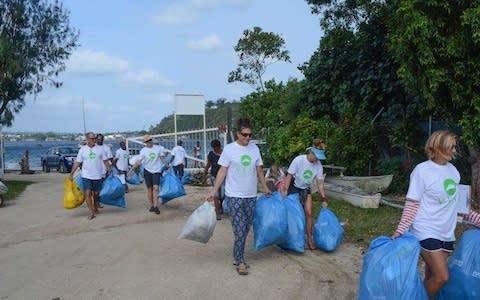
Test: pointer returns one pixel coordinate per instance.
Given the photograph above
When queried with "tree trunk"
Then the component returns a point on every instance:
(475, 165)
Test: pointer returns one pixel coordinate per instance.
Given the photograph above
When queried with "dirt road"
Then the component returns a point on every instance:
(48, 252)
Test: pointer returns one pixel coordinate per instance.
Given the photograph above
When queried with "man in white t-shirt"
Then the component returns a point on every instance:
(93, 160)
(106, 149)
(120, 161)
(304, 169)
(178, 158)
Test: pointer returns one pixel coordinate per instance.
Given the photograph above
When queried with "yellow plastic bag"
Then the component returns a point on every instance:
(73, 196)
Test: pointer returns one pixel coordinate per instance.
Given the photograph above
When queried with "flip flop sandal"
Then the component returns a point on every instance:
(247, 265)
(242, 269)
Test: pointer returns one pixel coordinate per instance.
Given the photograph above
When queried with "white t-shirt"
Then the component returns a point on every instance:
(435, 187)
(108, 155)
(92, 161)
(179, 153)
(151, 158)
(122, 159)
(305, 171)
(242, 162)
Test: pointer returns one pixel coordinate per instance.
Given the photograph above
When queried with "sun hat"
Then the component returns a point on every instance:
(319, 154)
(147, 138)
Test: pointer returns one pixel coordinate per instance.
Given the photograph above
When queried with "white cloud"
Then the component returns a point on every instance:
(177, 14)
(189, 12)
(95, 63)
(209, 43)
(208, 4)
(146, 78)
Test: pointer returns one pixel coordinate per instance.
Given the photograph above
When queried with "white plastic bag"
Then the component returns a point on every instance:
(201, 224)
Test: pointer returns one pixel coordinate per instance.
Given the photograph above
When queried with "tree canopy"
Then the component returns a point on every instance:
(257, 50)
(35, 41)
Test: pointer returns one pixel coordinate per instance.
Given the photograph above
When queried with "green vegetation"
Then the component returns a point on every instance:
(35, 42)
(15, 188)
(362, 225)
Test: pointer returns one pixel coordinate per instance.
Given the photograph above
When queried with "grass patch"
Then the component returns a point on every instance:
(15, 188)
(365, 224)
(362, 224)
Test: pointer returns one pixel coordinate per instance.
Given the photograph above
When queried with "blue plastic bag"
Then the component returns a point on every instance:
(464, 269)
(134, 178)
(327, 231)
(225, 208)
(171, 187)
(390, 270)
(113, 192)
(186, 177)
(79, 181)
(296, 224)
(270, 221)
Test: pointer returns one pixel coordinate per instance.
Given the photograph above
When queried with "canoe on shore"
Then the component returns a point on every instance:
(368, 183)
(353, 195)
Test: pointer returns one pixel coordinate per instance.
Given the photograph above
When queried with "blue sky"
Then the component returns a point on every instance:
(135, 55)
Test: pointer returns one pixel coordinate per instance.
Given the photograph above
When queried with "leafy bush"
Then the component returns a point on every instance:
(287, 142)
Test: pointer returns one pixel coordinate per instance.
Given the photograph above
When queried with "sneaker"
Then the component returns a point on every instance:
(152, 209)
(156, 210)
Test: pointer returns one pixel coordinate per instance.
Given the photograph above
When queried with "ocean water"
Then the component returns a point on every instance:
(14, 151)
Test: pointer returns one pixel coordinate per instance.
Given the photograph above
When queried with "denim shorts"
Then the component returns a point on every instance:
(92, 184)
(433, 245)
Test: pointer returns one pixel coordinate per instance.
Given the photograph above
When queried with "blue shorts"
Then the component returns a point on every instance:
(434, 245)
(92, 184)
(151, 179)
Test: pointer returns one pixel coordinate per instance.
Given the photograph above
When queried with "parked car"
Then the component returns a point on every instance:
(59, 158)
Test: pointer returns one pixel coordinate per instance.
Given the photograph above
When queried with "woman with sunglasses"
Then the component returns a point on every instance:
(241, 167)
(430, 210)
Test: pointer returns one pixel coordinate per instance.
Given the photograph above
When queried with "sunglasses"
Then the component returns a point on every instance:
(246, 134)
(148, 141)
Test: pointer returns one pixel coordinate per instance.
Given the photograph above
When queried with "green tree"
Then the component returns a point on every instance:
(257, 50)
(35, 41)
(437, 46)
(353, 74)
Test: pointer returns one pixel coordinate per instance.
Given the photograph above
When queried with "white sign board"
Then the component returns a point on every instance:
(188, 104)
(463, 199)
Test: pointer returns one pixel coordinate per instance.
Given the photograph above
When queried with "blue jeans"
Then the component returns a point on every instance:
(241, 216)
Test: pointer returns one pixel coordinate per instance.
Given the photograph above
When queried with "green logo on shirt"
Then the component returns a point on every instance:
(152, 156)
(245, 160)
(92, 155)
(307, 174)
(450, 187)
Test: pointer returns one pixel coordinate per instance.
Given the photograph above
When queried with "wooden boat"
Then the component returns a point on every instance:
(353, 195)
(367, 183)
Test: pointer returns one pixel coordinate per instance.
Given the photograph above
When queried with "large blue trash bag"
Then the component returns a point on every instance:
(390, 270)
(327, 231)
(171, 187)
(270, 221)
(296, 224)
(113, 192)
(141, 171)
(464, 269)
(134, 178)
(187, 177)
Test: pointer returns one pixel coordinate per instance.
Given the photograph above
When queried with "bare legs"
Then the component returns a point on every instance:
(309, 222)
(89, 198)
(152, 195)
(436, 271)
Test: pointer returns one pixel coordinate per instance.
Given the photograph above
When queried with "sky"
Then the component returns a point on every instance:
(134, 56)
